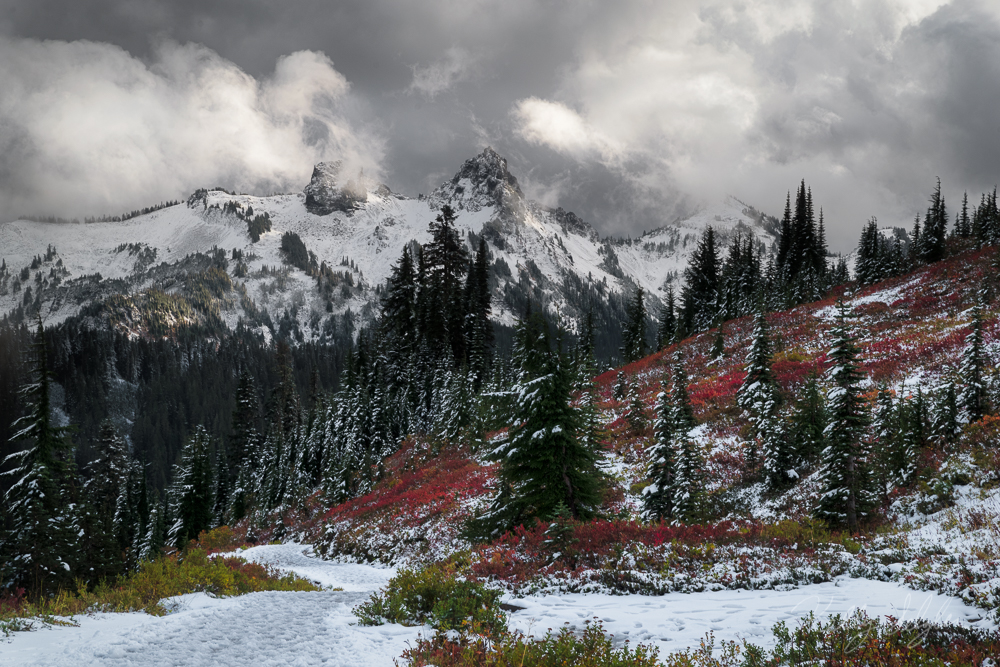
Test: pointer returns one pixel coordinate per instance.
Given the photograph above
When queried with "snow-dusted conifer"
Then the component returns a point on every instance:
(845, 495)
(760, 400)
(109, 509)
(667, 329)
(636, 411)
(191, 493)
(658, 497)
(621, 386)
(544, 462)
(456, 416)
(972, 398)
(634, 331)
(945, 416)
(675, 463)
(689, 482)
(913, 437)
(886, 431)
(809, 420)
(42, 540)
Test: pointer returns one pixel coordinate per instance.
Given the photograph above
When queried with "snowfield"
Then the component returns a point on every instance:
(318, 628)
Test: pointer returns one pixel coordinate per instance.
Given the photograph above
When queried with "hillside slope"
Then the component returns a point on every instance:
(937, 531)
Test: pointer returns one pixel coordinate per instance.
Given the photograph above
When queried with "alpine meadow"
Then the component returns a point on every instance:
(740, 409)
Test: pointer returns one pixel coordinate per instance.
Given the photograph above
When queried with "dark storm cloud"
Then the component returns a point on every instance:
(628, 113)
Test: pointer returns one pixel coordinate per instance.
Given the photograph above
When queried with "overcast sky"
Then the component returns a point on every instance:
(629, 113)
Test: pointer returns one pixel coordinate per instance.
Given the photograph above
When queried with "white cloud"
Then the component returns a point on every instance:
(562, 129)
(715, 98)
(456, 66)
(86, 128)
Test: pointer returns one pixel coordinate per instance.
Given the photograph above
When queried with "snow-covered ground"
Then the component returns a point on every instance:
(284, 628)
(678, 621)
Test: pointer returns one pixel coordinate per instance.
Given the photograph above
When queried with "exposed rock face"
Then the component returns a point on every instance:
(327, 193)
(483, 181)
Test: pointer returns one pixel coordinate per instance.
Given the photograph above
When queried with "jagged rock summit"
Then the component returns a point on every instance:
(327, 192)
(483, 181)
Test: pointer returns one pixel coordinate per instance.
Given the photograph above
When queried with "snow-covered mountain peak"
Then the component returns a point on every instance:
(483, 181)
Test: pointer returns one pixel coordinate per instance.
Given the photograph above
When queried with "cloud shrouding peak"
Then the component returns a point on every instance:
(86, 128)
(626, 113)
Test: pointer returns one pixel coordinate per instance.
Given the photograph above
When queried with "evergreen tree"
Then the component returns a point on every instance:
(479, 329)
(785, 240)
(887, 432)
(963, 224)
(718, 350)
(585, 362)
(935, 228)
(690, 479)
(667, 329)
(916, 251)
(243, 445)
(809, 421)
(446, 262)
(658, 497)
(760, 400)
(946, 415)
(683, 412)
(110, 518)
(399, 316)
(543, 462)
(634, 332)
(675, 463)
(621, 386)
(973, 393)
(701, 283)
(191, 495)
(636, 411)
(845, 498)
(42, 540)
(913, 437)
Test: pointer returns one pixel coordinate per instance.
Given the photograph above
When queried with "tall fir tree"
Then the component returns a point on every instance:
(887, 435)
(544, 463)
(479, 328)
(42, 541)
(846, 498)
(963, 223)
(972, 398)
(111, 514)
(658, 497)
(634, 331)
(760, 400)
(808, 422)
(676, 466)
(191, 495)
(945, 417)
(699, 298)
(935, 228)
(666, 332)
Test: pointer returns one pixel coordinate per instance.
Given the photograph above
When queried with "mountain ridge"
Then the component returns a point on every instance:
(358, 228)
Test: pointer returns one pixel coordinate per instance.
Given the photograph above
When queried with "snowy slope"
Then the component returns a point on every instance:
(362, 234)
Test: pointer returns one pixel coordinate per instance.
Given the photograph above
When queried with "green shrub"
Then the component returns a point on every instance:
(434, 595)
